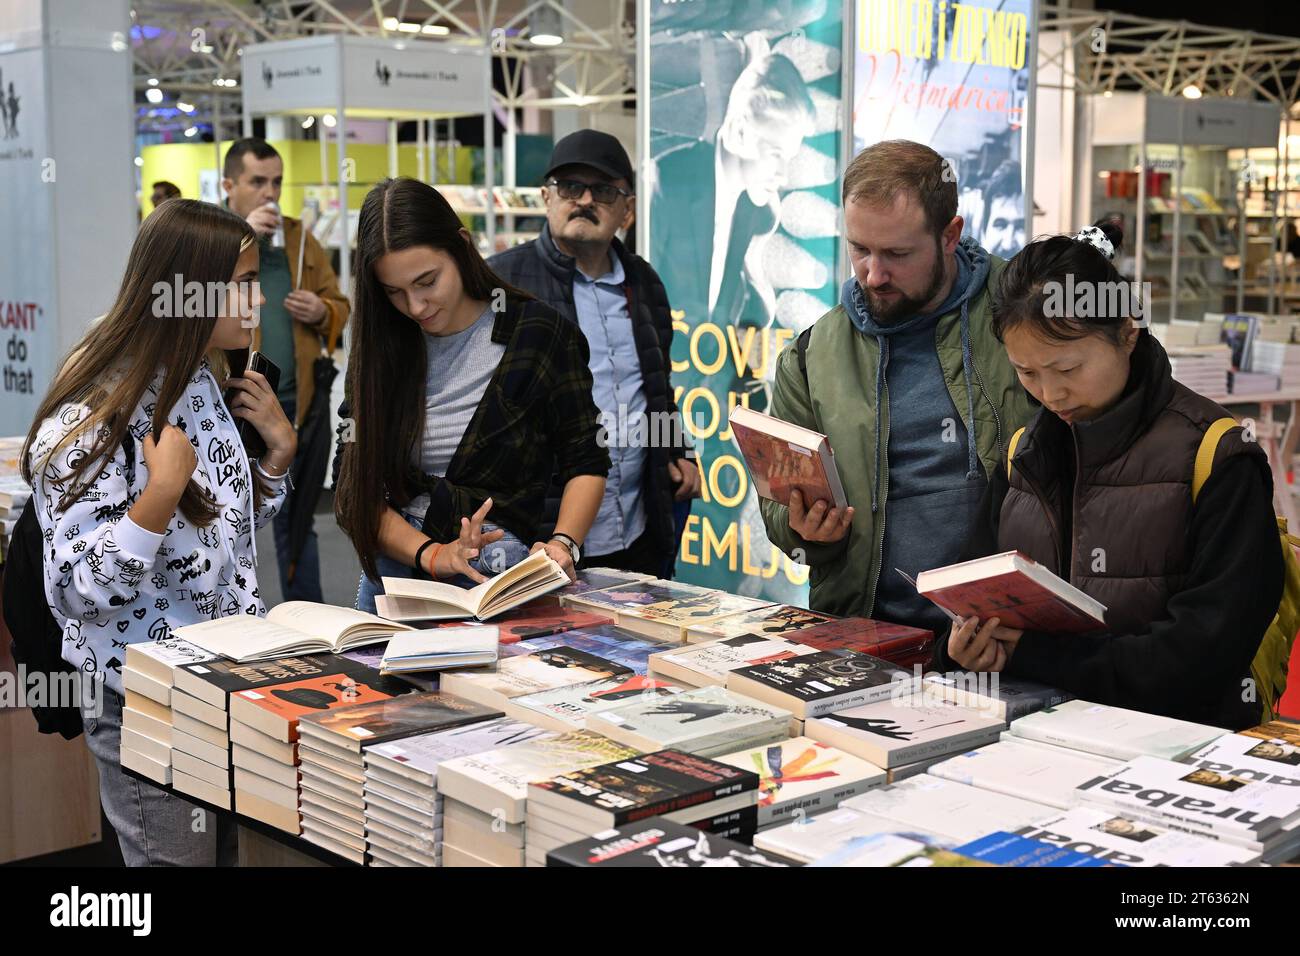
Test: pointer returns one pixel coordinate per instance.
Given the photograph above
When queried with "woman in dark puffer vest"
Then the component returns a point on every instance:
(1100, 493)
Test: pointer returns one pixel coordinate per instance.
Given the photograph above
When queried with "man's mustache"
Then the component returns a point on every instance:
(586, 214)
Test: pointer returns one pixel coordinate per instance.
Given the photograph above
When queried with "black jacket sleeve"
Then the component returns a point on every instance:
(1191, 664)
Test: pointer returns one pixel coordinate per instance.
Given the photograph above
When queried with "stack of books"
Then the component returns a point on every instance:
(836, 831)
(664, 610)
(405, 819)
(905, 647)
(1263, 818)
(1203, 370)
(591, 579)
(680, 787)
(995, 694)
(778, 620)
(658, 843)
(494, 784)
(333, 768)
(811, 685)
(147, 718)
(953, 810)
(800, 777)
(265, 721)
(1113, 731)
(706, 721)
(532, 673)
(566, 708)
(1123, 840)
(897, 733)
(702, 665)
(1278, 359)
(1046, 775)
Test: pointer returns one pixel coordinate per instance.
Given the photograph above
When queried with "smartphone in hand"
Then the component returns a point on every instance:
(241, 361)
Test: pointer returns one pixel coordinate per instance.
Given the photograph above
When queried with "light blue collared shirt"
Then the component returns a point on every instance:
(619, 393)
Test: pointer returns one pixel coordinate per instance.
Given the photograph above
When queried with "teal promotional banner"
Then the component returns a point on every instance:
(746, 113)
(955, 76)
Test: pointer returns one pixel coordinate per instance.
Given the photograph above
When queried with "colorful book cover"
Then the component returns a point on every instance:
(607, 641)
(1007, 849)
(1282, 731)
(378, 721)
(779, 467)
(653, 595)
(801, 773)
(1017, 600)
(325, 691)
(895, 643)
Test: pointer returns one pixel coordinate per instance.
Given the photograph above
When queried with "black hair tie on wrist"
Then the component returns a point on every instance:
(417, 567)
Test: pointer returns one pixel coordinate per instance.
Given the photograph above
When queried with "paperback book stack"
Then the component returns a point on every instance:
(902, 646)
(810, 685)
(1280, 359)
(264, 721)
(679, 787)
(494, 784)
(1007, 698)
(1263, 818)
(330, 747)
(664, 610)
(1046, 775)
(1125, 840)
(567, 708)
(953, 810)
(401, 792)
(706, 721)
(838, 831)
(530, 674)
(900, 733)
(658, 843)
(801, 777)
(1204, 369)
(702, 665)
(1113, 731)
(147, 718)
(201, 745)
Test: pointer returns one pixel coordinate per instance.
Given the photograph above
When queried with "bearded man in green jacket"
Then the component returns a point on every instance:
(908, 382)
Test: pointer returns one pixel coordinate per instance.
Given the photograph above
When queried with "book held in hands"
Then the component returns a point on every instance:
(783, 457)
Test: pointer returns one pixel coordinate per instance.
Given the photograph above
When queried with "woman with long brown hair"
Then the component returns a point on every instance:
(143, 490)
(465, 396)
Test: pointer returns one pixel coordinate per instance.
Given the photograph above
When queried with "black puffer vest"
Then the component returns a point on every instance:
(1130, 511)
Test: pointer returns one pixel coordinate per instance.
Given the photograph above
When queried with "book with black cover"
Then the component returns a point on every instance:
(658, 843)
(814, 684)
(213, 681)
(623, 791)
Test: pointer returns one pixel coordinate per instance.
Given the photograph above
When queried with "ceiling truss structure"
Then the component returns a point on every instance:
(192, 48)
(1116, 51)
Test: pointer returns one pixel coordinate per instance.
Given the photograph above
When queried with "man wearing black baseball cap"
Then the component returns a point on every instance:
(581, 269)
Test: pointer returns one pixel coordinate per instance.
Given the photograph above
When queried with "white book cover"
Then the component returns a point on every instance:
(709, 663)
(892, 733)
(423, 754)
(1047, 775)
(695, 721)
(1009, 698)
(953, 810)
(1195, 799)
(815, 837)
(1114, 731)
(497, 781)
(157, 659)
(528, 674)
(1129, 842)
(1274, 761)
(569, 706)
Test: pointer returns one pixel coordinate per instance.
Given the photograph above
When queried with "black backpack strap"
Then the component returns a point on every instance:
(801, 350)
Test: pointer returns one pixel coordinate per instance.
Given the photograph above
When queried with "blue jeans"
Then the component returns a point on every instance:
(154, 827)
(496, 557)
(306, 576)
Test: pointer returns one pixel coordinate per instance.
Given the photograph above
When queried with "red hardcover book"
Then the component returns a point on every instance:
(531, 621)
(896, 643)
(1017, 590)
(782, 457)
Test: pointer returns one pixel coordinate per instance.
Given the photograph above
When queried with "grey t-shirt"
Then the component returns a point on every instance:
(459, 369)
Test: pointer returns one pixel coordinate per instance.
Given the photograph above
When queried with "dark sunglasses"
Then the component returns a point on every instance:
(571, 189)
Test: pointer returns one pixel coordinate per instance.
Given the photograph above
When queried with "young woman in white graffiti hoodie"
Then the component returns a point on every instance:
(146, 498)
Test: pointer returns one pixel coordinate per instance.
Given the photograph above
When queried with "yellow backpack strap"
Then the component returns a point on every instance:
(1205, 454)
(1011, 448)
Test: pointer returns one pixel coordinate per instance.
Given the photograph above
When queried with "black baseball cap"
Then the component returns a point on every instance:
(591, 147)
